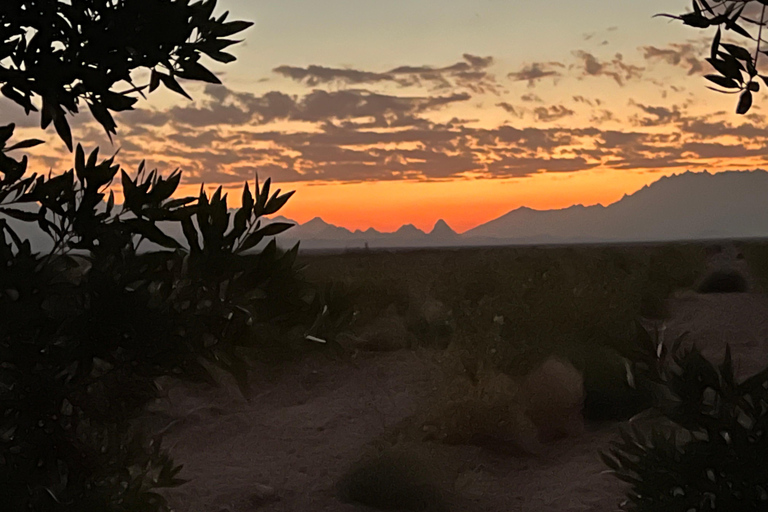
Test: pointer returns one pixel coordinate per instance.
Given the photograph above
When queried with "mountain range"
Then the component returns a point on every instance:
(687, 206)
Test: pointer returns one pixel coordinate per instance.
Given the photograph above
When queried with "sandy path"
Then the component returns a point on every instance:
(303, 430)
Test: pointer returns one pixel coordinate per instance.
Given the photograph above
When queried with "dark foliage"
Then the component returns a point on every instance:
(68, 52)
(724, 281)
(736, 67)
(712, 457)
(86, 329)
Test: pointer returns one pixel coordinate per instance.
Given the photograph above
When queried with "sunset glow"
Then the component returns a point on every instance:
(406, 113)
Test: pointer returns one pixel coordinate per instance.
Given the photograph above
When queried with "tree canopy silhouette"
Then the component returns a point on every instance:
(66, 52)
(735, 65)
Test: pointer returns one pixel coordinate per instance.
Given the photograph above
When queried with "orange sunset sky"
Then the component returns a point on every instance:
(385, 113)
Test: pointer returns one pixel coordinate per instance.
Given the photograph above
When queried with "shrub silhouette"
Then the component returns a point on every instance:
(87, 327)
(83, 337)
(724, 281)
(713, 455)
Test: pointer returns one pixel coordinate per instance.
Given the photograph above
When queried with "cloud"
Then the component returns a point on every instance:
(224, 107)
(532, 73)
(684, 55)
(517, 112)
(616, 68)
(587, 101)
(362, 131)
(470, 73)
(552, 113)
(659, 116)
(531, 98)
(602, 116)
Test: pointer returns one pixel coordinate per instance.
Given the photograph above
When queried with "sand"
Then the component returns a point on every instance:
(285, 448)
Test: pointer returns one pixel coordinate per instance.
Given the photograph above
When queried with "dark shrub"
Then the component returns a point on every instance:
(724, 281)
(714, 455)
(393, 480)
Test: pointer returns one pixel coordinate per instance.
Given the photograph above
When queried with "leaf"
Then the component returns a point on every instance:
(80, 163)
(251, 241)
(728, 67)
(738, 29)
(274, 228)
(103, 117)
(62, 128)
(722, 81)
(228, 29)
(29, 143)
(715, 44)
(24, 101)
(176, 203)
(20, 214)
(151, 232)
(737, 51)
(6, 132)
(745, 102)
(173, 85)
(154, 80)
(276, 203)
(192, 70)
(190, 233)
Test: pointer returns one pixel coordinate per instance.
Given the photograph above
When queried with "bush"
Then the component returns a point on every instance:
(724, 281)
(86, 329)
(714, 455)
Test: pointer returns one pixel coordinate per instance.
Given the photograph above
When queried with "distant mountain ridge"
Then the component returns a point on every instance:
(687, 206)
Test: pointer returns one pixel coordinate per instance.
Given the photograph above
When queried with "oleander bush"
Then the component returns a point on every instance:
(158, 285)
(86, 328)
(710, 455)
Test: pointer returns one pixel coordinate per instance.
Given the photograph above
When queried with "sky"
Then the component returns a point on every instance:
(381, 114)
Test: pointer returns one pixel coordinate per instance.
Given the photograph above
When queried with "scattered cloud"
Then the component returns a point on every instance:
(552, 113)
(470, 73)
(517, 112)
(616, 68)
(532, 73)
(684, 55)
(531, 98)
(657, 115)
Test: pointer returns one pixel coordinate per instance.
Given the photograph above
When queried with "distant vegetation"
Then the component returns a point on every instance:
(512, 308)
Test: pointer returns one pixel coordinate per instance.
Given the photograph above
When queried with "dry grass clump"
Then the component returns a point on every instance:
(484, 407)
(387, 332)
(553, 398)
(489, 414)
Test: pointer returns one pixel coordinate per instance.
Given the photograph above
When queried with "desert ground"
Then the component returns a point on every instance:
(291, 444)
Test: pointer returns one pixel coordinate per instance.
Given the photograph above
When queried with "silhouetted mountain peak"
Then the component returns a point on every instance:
(316, 223)
(442, 230)
(409, 230)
